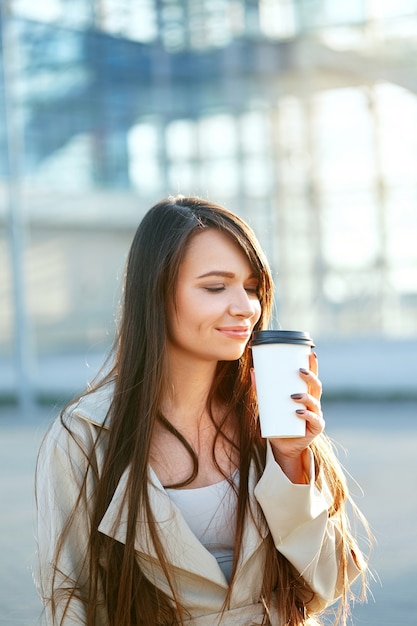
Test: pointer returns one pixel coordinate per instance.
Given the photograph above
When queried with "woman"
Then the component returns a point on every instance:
(158, 501)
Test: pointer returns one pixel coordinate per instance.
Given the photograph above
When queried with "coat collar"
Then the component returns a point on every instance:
(94, 407)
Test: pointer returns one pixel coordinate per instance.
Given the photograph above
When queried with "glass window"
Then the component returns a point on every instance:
(253, 132)
(180, 139)
(396, 119)
(319, 13)
(76, 13)
(344, 141)
(381, 9)
(212, 23)
(217, 136)
(69, 167)
(257, 176)
(44, 11)
(401, 232)
(144, 167)
(220, 177)
(277, 18)
(350, 228)
(173, 24)
(182, 178)
(135, 19)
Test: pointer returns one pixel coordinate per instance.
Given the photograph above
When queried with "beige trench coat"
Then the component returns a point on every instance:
(297, 516)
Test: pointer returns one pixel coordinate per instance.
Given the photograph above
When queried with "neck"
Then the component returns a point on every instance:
(189, 384)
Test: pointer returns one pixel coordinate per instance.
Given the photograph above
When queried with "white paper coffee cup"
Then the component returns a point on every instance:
(277, 358)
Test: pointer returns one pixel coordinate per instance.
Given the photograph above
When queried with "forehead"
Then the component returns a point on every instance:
(215, 248)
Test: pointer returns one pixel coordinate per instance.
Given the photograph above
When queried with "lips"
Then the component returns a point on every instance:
(236, 332)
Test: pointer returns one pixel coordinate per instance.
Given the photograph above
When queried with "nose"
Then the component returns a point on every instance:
(244, 304)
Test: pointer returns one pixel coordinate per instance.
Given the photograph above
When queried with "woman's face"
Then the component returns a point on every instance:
(216, 304)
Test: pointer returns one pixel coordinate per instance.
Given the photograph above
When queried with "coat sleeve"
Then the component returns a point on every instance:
(60, 479)
(303, 531)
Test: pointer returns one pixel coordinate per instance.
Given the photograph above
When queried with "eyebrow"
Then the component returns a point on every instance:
(224, 274)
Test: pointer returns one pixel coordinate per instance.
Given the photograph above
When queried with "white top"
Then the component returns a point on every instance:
(210, 512)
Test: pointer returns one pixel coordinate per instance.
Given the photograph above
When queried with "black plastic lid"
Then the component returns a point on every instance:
(261, 337)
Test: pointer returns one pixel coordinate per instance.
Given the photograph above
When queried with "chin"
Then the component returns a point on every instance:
(232, 355)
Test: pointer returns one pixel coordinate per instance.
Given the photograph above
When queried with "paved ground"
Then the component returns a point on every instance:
(381, 443)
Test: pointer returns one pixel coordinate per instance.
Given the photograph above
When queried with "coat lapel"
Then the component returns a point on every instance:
(255, 529)
(183, 549)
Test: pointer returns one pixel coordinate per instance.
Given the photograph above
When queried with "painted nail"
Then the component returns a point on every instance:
(296, 396)
(300, 411)
(303, 371)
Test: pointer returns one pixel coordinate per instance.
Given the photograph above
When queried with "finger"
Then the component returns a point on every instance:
(315, 422)
(313, 363)
(313, 382)
(310, 402)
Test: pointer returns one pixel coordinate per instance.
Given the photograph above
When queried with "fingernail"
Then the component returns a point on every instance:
(304, 371)
(296, 396)
(300, 411)
(314, 354)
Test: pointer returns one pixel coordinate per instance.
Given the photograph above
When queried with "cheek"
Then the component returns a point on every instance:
(187, 312)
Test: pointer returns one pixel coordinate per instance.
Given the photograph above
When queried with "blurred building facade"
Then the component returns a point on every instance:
(300, 115)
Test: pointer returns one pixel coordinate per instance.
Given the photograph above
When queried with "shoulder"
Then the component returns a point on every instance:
(92, 407)
(79, 428)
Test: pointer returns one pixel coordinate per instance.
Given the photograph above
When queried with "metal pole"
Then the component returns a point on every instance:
(23, 352)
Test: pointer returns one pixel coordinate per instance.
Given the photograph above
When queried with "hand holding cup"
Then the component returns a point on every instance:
(278, 357)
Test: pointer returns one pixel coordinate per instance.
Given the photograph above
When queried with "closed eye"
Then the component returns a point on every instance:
(252, 288)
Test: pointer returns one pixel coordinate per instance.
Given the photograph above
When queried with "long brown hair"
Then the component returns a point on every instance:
(139, 376)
